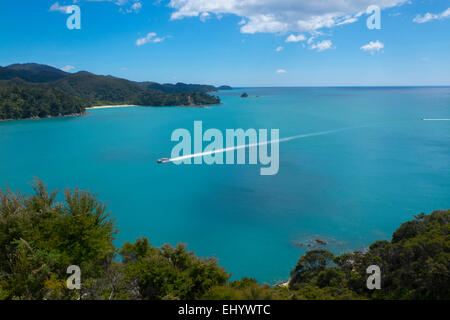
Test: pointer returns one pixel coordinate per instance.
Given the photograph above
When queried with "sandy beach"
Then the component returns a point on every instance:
(117, 106)
(128, 105)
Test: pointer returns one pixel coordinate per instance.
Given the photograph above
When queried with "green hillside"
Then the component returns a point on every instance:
(33, 90)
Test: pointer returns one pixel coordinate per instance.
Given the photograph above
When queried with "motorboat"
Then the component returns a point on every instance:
(163, 160)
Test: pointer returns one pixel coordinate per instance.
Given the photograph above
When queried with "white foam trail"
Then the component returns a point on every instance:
(201, 154)
(436, 119)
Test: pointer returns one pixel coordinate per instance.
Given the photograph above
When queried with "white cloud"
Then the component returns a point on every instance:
(275, 16)
(430, 16)
(67, 68)
(373, 46)
(136, 6)
(347, 21)
(297, 38)
(263, 23)
(150, 37)
(57, 7)
(278, 49)
(280, 71)
(132, 5)
(322, 45)
(204, 16)
(446, 13)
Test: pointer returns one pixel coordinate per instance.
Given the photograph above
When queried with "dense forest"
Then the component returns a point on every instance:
(19, 100)
(179, 87)
(33, 90)
(40, 237)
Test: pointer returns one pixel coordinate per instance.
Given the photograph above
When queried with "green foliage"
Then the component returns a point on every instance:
(40, 238)
(179, 87)
(331, 277)
(416, 263)
(246, 289)
(20, 100)
(311, 292)
(224, 88)
(169, 272)
(310, 265)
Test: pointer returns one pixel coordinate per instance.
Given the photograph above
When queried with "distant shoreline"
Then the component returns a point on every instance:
(133, 105)
(47, 117)
(111, 106)
(203, 106)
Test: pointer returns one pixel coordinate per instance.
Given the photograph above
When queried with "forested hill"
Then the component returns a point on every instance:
(34, 90)
(31, 72)
(179, 87)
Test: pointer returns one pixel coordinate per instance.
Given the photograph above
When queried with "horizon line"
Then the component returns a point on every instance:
(346, 86)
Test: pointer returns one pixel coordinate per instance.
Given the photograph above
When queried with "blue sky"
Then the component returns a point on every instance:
(235, 41)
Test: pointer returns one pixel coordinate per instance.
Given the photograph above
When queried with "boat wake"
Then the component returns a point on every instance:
(252, 145)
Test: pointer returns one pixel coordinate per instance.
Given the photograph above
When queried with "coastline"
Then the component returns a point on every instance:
(202, 106)
(112, 106)
(108, 107)
(48, 117)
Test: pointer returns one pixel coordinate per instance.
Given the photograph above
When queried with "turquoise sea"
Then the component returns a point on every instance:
(349, 188)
